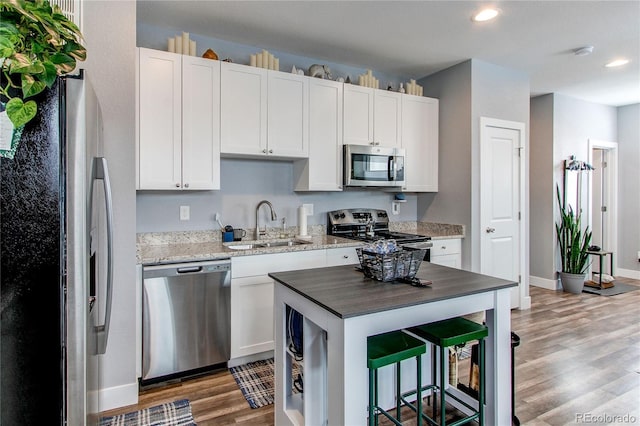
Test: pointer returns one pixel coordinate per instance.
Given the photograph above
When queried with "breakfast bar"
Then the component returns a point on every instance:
(341, 308)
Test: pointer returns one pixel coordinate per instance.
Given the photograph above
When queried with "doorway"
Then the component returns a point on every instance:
(602, 196)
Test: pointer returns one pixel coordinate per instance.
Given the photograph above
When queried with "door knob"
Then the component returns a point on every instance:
(491, 230)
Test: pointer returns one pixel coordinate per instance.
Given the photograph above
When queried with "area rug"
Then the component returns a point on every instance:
(176, 413)
(255, 380)
(618, 288)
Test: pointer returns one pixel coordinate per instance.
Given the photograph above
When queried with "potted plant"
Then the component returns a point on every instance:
(37, 43)
(573, 242)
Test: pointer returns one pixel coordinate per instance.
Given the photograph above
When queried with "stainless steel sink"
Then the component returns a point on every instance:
(266, 244)
(288, 243)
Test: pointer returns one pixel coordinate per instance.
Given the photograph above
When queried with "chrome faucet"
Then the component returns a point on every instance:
(273, 218)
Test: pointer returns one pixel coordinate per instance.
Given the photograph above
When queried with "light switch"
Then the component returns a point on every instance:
(185, 213)
(309, 209)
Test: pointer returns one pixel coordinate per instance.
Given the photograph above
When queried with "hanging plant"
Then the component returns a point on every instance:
(37, 44)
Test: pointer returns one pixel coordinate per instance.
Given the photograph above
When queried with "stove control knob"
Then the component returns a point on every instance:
(336, 216)
(342, 215)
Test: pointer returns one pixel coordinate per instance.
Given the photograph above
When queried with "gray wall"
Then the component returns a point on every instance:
(572, 122)
(629, 187)
(110, 66)
(542, 189)
(468, 91)
(245, 182)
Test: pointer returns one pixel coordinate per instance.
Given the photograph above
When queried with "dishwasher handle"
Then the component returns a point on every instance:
(182, 269)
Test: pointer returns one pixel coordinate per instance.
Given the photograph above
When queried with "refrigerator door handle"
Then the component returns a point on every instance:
(102, 173)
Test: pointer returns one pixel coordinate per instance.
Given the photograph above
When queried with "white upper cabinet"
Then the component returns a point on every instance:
(178, 140)
(372, 116)
(322, 171)
(420, 141)
(263, 112)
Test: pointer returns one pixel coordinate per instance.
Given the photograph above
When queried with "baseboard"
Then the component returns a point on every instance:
(545, 283)
(118, 396)
(250, 358)
(525, 303)
(628, 273)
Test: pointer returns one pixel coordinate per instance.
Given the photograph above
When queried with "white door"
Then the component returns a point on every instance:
(500, 200)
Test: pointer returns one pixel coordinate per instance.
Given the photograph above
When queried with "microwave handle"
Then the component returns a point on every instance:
(392, 174)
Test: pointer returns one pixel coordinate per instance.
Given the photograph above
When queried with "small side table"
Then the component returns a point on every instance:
(601, 254)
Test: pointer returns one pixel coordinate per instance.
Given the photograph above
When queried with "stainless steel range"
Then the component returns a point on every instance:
(371, 225)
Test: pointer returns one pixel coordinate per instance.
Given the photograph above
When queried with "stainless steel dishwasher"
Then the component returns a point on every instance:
(186, 319)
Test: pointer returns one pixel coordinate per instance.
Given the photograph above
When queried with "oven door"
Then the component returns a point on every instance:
(373, 166)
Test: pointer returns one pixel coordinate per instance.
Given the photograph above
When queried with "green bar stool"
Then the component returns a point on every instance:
(386, 349)
(444, 334)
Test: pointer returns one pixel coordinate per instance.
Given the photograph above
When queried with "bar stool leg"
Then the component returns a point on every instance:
(419, 389)
(375, 399)
(371, 406)
(434, 379)
(442, 388)
(398, 400)
(481, 360)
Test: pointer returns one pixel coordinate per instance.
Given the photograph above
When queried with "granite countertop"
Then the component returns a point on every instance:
(190, 251)
(346, 292)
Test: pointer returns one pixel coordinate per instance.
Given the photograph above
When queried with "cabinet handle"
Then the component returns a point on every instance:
(346, 256)
(264, 151)
(491, 230)
(443, 247)
(186, 185)
(177, 185)
(270, 151)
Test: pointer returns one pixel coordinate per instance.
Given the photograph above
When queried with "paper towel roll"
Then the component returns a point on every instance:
(302, 221)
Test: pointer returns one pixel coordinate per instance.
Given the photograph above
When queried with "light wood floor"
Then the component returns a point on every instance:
(579, 354)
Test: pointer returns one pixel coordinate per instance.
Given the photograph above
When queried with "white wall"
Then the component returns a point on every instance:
(629, 188)
(109, 32)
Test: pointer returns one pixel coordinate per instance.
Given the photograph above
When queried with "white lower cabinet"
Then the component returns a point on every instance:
(252, 297)
(342, 256)
(447, 252)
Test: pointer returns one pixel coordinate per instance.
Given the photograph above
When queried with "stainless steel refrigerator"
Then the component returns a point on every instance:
(56, 269)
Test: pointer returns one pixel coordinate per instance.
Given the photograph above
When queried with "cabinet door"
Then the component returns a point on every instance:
(200, 123)
(159, 120)
(358, 115)
(420, 141)
(450, 260)
(387, 116)
(243, 109)
(288, 115)
(251, 315)
(323, 170)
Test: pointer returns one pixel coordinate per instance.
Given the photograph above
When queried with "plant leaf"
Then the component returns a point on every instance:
(6, 47)
(31, 86)
(50, 74)
(20, 112)
(63, 62)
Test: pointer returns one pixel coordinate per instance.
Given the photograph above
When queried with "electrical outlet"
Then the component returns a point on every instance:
(185, 212)
(309, 209)
(395, 208)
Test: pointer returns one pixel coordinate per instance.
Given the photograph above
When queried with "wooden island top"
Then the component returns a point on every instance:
(347, 292)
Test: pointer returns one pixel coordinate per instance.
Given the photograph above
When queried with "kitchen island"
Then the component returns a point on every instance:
(341, 307)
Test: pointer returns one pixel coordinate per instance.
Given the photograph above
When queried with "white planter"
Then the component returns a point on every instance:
(572, 283)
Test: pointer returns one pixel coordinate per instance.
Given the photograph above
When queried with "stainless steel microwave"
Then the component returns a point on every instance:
(373, 166)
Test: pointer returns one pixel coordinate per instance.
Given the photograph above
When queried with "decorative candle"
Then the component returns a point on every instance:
(185, 43)
(276, 64)
(271, 61)
(259, 60)
(252, 60)
(192, 48)
(265, 59)
(178, 44)
(171, 47)
(361, 80)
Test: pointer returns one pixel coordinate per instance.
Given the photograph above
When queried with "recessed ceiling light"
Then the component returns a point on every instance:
(617, 63)
(485, 15)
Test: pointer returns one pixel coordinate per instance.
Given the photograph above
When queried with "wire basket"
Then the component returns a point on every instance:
(401, 264)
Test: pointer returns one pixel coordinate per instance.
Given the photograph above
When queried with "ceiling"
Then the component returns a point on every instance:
(417, 38)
